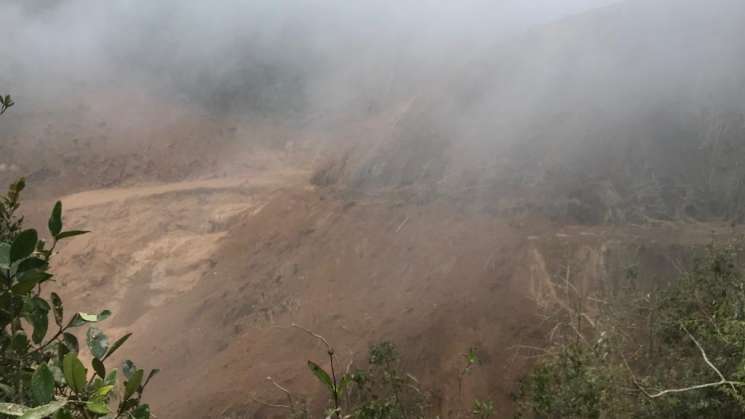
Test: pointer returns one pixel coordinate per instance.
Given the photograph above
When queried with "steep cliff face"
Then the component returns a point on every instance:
(629, 113)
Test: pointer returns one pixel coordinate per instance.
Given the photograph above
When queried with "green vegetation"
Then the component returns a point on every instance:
(5, 103)
(40, 375)
(383, 390)
(677, 352)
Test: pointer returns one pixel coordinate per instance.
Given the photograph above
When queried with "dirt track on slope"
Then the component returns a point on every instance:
(209, 274)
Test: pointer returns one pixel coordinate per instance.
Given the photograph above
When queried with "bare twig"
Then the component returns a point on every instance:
(268, 404)
(349, 364)
(403, 223)
(722, 379)
(290, 400)
(282, 389)
(589, 320)
(315, 335)
(686, 389)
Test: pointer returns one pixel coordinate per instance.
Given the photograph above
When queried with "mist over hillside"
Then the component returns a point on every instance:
(444, 175)
(629, 113)
(592, 111)
(259, 56)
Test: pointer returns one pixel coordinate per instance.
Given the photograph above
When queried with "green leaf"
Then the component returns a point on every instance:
(128, 368)
(28, 280)
(23, 246)
(23, 288)
(132, 385)
(5, 103)
(88, 317)
(13, 409)
(36, 312)
(42, 412)
(42, 385)
(55, 220)
(31, 263)
(141, 412)
(119, 342)
(96, 383)
(4, 255)
(40, 305)
(110, 377)
(71, 342)
(103, 315)
(11, 306)
(81, 318)
(128, 404)
(40, 321)
(59, 377)
(76, 321)
(152, 374)
(75, 373)
(99, 367)
(20, 342)
(104, 391)
(62, 350)
(344, 382)
(41, 324)
(63, 414)
(71, 233)
(98, 407)
(322, 376)
(98, 342)
(58, 310)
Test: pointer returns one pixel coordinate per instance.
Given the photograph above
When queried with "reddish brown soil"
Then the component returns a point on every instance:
(209, 275)
(212, 241)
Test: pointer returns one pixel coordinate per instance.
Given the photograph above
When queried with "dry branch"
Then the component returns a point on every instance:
(722, 379)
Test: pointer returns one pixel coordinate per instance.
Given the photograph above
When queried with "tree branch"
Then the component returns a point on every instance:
(722, 379)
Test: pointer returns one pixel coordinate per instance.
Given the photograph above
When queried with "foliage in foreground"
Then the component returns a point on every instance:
(42, 376)
(381, 389)
(676, 353)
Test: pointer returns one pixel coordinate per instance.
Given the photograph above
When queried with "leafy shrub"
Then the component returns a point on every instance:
(381, 390)
(675, 353)
(572, 383)
(10, 223)
(43, 376)
(384, 389)
(482, 409)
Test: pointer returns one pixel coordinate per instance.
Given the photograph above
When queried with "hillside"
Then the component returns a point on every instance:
(209, 275)
(628, 114)
(440, 216)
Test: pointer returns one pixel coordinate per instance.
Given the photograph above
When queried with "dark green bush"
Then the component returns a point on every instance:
(41, 374)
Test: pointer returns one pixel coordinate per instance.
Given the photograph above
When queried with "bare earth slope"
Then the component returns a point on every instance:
(209, 275)
(440, 223)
